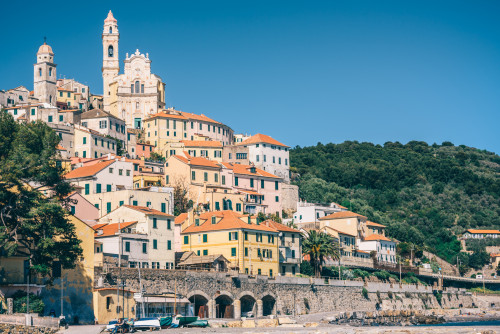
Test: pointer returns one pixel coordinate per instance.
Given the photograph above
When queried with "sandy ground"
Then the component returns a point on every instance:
(322, 328)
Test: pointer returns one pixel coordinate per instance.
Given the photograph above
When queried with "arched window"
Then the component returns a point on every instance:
(50, 99)
(132, 89)
(40, 71)
(142, 88)
(110, 51)
(137, 105)
(137, 87)
(110, 30)
(50, 71)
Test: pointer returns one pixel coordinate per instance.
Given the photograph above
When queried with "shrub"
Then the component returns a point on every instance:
(360, 273)
(364, 292)
(407, 294)
(20, 303)
(389, 293)
(306, 268)
(378, 297)
(439, 296)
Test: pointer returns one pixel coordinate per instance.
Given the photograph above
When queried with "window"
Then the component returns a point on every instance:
(127, 246)
(87, 189)
(205, 252)
(108, 303)
(137, 87)
(216, 177)
(121, 203)
(205, 176)
(120, 171)
(155, 223)
(103, 124)
(50, 119)
(193, 175)
(223, 179)
(61, 118)
(84, 140)
(277, 198)
(169, 224)
(233, 251)
(276, 185)
(293, 253)
(155, 244)
(217, 206)
(110, 51)
(108, 207)
(204, 237)
(164, 207)
(169, 244)
(286, 162)
(257, 158)
(131, 90)
(186, 240)
(144, 249)
(40, 74)
(98, 188)
(236, 181)
(270, 273)
(214, 220)
(198, 252)
(197, 222)
(73, 210)
(259, 271)
(33, 112)
(238, 206)
(251, 183)
(233, 236)
(142, 88)
(134, 203)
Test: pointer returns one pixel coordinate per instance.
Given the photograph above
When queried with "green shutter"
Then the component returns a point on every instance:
(108, 207)
(163, 207)
(186, 240)
(169, 245)
(121, 203)
(204, 238)
(205, 252)
(229, 236)
(98, 188)
(87, 189)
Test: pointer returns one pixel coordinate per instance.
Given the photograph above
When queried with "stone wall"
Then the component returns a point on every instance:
(20, 319)
(290, 295)
(16, 329)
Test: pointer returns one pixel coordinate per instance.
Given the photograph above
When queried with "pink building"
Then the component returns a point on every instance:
(143, 150)
(83, 209)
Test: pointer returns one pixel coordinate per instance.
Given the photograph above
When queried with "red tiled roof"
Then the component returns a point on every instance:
(374, 224)
(230, 221)
(180, 218)
(245, 170)
(260, 138)
(473, 231)
(342, 214)
(197, 161)
(376, 237)
(147, 211)
(339, 231)
(111, 229)
(86, 171)
(280, 227)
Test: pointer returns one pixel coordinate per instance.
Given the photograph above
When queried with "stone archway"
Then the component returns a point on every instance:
(268, 305)
(248, 306)
(200, 301)
(224, 306)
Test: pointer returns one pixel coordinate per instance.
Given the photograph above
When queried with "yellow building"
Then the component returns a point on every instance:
(251, 247)
(108, 306)
(68, 97)
(196, 148)
(347, 222)
(204, 182)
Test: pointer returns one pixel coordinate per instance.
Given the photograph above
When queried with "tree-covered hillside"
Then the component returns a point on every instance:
(425, 194)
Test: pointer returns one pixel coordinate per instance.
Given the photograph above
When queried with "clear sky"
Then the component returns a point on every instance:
(301, 71)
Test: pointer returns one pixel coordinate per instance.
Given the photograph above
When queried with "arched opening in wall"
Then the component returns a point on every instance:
(248, 306)
(224, 307)
(110, 30)
(268, 303)
(200, 306)
(110, 51)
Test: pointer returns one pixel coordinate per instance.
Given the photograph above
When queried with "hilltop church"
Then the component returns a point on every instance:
(135, 94)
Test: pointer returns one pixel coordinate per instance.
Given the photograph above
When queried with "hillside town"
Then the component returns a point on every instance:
(166, 195)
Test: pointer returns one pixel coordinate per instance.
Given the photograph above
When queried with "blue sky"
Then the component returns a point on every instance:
(301, 71)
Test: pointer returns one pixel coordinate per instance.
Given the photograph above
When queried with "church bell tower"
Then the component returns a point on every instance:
(110, 62)
(45, 77)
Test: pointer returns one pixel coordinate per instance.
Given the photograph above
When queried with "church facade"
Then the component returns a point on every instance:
(135, 94)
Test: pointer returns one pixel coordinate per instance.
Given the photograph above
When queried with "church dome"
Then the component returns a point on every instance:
(45, 48)
(110, 17)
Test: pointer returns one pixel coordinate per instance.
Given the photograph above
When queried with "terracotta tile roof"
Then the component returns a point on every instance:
(230, 221)
(362, 251)
(197, 161)
(339, 231)
(180, 218)
(473, 231)
(495, 255)
(369, 223)
(97, 113)
(147, 211)
(260, 138)
(376, 237)
(250, 192)
(110, 229)
(163, 114)
(281, 227)
(201, 143)
(245, 170)
(342, 214)
(86, 171)
(60, 148)
(198, 117)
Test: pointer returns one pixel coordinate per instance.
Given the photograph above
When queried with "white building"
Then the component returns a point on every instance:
(81, 90)
(136, 93)
(268, 154)
(481, 234)
(105, 123)
(92, 144)
(13, 97)
(159, 228)
(385, 248)
(312, 212)
(45, 77)
(103, 176)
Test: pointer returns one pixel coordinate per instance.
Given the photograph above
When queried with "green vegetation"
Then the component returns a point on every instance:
(320, 246)
(364, 292)
(21, 301)
(481, 290)
(425, 194)
(34, 224)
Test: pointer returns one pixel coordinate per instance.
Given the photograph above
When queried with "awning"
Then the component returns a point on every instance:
(250, 192)
(158, 299)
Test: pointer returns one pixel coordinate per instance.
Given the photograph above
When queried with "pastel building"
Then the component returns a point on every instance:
(105, 123)
(89, 143)
(157, 226)
(268, 154)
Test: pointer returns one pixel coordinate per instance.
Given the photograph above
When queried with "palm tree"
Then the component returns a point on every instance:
(320, 246)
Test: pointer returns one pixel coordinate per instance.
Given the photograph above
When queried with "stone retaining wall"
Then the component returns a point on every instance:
(20, 319)
(291, 296)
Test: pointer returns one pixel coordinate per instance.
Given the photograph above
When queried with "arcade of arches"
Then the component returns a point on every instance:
(224, 305)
